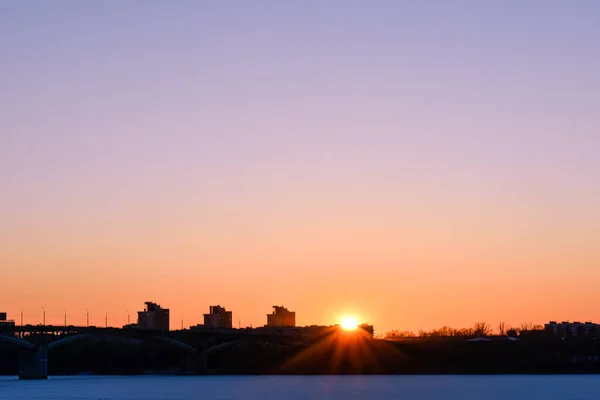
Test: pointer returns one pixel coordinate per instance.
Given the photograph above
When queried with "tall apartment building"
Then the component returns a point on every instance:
(218, 317)
(281, 317)
(153, 317)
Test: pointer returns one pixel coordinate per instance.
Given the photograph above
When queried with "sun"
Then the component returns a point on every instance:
(349, 323)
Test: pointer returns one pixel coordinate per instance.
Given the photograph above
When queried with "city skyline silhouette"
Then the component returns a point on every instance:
(410, 165)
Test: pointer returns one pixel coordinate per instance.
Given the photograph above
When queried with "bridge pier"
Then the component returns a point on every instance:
(194, 363)
(33, 364)
(202, 357)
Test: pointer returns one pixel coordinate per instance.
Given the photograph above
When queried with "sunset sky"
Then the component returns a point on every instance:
(412, 163)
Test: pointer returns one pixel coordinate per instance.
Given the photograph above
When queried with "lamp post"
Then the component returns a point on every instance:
(87, 317)
(43, 316)
(66, 316)
(21, 317)
(128, 319)
(106, 320)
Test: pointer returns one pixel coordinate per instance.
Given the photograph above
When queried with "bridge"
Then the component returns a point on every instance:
(37, 342)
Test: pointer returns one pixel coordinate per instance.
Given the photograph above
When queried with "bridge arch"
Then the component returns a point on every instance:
(17, 341)
(71, 338)
(174, 343)
(84, 336)
(221, 346)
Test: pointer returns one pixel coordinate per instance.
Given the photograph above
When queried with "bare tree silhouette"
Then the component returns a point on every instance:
(525, 326)
(397, 334)
(482, 329)
(446, 331)
(478, 329)
(503, 328)
(465, 332)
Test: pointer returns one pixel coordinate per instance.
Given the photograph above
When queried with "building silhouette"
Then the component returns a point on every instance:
(153, 317)
(4, 321)
(281, 318)
(572, 330)
(369, 329)
(218, 317)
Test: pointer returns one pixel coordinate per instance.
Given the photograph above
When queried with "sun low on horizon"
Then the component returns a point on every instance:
(307, 175)
(349, 323)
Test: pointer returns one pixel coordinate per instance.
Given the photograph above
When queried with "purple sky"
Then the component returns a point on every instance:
(294, 133)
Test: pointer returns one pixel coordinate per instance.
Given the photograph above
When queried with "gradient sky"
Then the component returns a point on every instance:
(413, 163)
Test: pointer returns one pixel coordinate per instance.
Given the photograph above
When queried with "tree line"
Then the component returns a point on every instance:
(477, 330)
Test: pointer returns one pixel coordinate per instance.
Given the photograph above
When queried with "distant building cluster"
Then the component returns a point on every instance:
(569, 330)
(280, 321)
(311, 330)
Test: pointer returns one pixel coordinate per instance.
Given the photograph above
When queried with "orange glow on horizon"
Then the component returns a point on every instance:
(349, 323)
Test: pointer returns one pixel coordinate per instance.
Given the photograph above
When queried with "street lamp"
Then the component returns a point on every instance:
(44, 316)
(66, 316)
(21, 317)
(106, 320)
(127, 317)
(87, 317)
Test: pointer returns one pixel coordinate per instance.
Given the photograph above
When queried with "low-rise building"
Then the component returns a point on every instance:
(368, 329)
(310, 331)
(218, 317)
(153, 317)
(4, 321)
(281, 317)
(569, 330)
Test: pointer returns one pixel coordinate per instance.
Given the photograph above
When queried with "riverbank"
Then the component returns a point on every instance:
(368, 357)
